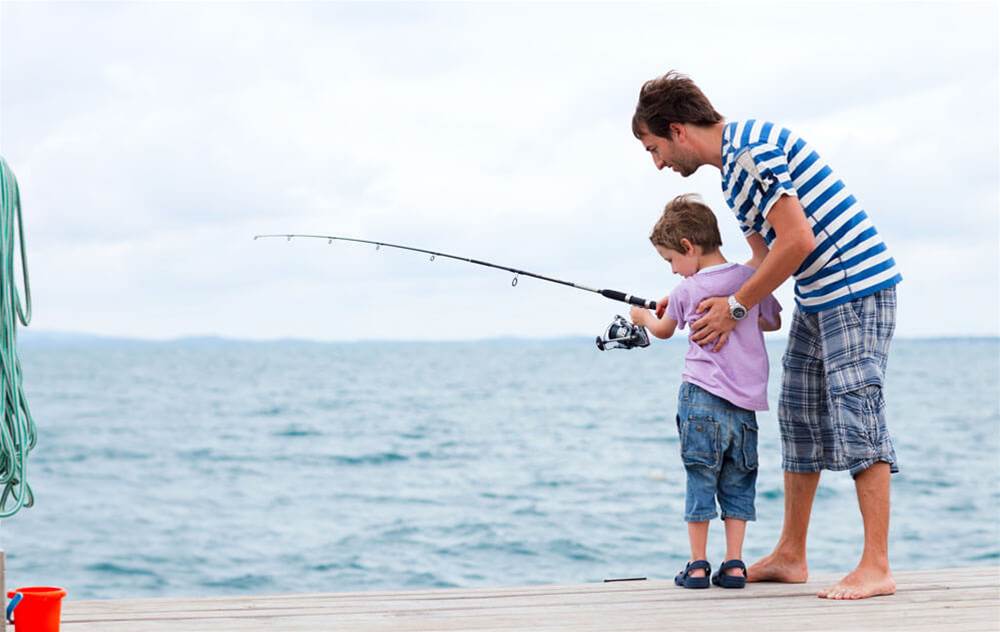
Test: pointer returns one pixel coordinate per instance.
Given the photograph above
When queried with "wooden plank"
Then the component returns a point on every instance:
(651, 590)
(967, 599)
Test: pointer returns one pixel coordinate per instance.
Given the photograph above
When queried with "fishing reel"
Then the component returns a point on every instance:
(622, 334)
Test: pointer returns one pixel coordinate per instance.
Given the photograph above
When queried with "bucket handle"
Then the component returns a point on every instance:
(16, 599)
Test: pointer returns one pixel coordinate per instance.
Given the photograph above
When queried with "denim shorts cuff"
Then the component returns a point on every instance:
(801, 467)
(860, 467)
(700, 517)
(751, 517)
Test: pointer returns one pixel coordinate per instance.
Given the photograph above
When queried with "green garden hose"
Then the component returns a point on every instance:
(17, 432)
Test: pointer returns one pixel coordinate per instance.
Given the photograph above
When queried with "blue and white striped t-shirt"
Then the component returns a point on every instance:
(761, 162)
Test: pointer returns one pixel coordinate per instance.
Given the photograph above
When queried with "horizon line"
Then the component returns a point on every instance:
(48, 336)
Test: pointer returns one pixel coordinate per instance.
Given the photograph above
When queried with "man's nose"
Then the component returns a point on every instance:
(659, 163)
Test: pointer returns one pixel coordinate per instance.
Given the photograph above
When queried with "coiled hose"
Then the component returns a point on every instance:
(17, 432)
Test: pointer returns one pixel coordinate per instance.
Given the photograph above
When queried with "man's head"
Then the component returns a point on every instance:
(669, 108)
(686, 230)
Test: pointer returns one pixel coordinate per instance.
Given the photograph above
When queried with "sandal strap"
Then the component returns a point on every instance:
(733, 564)
(698, 564)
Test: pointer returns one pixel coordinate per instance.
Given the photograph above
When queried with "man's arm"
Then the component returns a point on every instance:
(793, 242)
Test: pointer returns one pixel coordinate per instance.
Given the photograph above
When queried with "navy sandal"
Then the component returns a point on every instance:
(730, 581)
(684, 578)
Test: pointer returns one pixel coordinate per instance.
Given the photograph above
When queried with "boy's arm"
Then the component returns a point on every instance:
(759, 250)
(662, 327)
(770, 314)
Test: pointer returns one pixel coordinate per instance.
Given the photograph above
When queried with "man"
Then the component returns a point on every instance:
(801, 221)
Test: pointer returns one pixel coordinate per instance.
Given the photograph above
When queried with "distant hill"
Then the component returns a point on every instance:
(29, 337)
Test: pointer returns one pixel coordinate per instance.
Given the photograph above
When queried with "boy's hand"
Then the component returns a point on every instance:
(639, 315)
(661, 306)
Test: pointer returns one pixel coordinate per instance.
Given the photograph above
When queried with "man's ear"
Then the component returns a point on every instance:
(677, 131)
(687, 246)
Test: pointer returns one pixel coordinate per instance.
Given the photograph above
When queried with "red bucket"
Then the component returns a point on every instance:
(39, 609)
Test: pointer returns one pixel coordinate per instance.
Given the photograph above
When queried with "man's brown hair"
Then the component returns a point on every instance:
(687, 217)
(672, 98)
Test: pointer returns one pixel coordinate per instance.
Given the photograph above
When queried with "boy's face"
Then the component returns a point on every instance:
(684, 264)
(670, 152)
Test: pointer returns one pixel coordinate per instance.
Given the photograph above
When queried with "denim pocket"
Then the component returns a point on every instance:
(700, 441)
(750, 443)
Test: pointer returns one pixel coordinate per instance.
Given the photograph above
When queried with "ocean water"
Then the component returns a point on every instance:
(211, 467)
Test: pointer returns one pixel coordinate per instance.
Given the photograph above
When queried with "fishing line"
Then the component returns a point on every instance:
(620, 334)
(614, 295)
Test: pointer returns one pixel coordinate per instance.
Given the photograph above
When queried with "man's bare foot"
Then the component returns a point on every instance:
(861, 583)
(777, 567)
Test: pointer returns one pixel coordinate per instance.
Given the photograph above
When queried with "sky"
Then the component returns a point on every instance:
(152, 141)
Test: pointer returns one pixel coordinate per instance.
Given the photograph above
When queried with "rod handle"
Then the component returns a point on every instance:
(615, 295)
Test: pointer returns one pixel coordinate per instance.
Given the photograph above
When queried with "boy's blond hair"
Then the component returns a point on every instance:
(687, 217)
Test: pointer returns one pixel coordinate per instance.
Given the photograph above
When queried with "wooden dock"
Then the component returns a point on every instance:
(955, 599)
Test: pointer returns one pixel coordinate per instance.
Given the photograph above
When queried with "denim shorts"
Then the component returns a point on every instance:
(831, 411)
(719, 451)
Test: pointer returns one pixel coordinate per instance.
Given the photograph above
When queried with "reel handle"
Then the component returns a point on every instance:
(615, 295)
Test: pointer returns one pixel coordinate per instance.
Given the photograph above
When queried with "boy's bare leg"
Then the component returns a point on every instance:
(787, 563)
(698, 535)
(872, 576)
(735, 530)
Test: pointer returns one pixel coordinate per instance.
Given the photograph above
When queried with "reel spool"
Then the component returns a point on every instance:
(621, 334)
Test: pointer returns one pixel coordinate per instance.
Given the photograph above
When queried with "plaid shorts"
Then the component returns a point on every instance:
(831, 411)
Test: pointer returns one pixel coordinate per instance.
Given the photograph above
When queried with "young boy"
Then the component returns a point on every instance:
(720, 390)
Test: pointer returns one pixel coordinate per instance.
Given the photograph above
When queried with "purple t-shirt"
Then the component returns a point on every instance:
(737, 373)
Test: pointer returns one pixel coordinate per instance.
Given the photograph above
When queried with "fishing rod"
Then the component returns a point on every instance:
(620, 334)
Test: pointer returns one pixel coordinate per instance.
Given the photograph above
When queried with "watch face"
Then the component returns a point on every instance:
(739, 313)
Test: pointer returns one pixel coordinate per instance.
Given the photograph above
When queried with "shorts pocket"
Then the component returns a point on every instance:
(861, 413)
(855, 375)
(750, 444)
(857, 308)
(700, 441)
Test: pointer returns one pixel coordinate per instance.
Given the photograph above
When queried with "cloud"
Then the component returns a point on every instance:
(153, 140)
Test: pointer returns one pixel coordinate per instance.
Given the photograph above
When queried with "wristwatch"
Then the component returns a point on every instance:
(736, 311)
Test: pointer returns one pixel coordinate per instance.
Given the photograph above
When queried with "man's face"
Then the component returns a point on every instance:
(670, 152)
